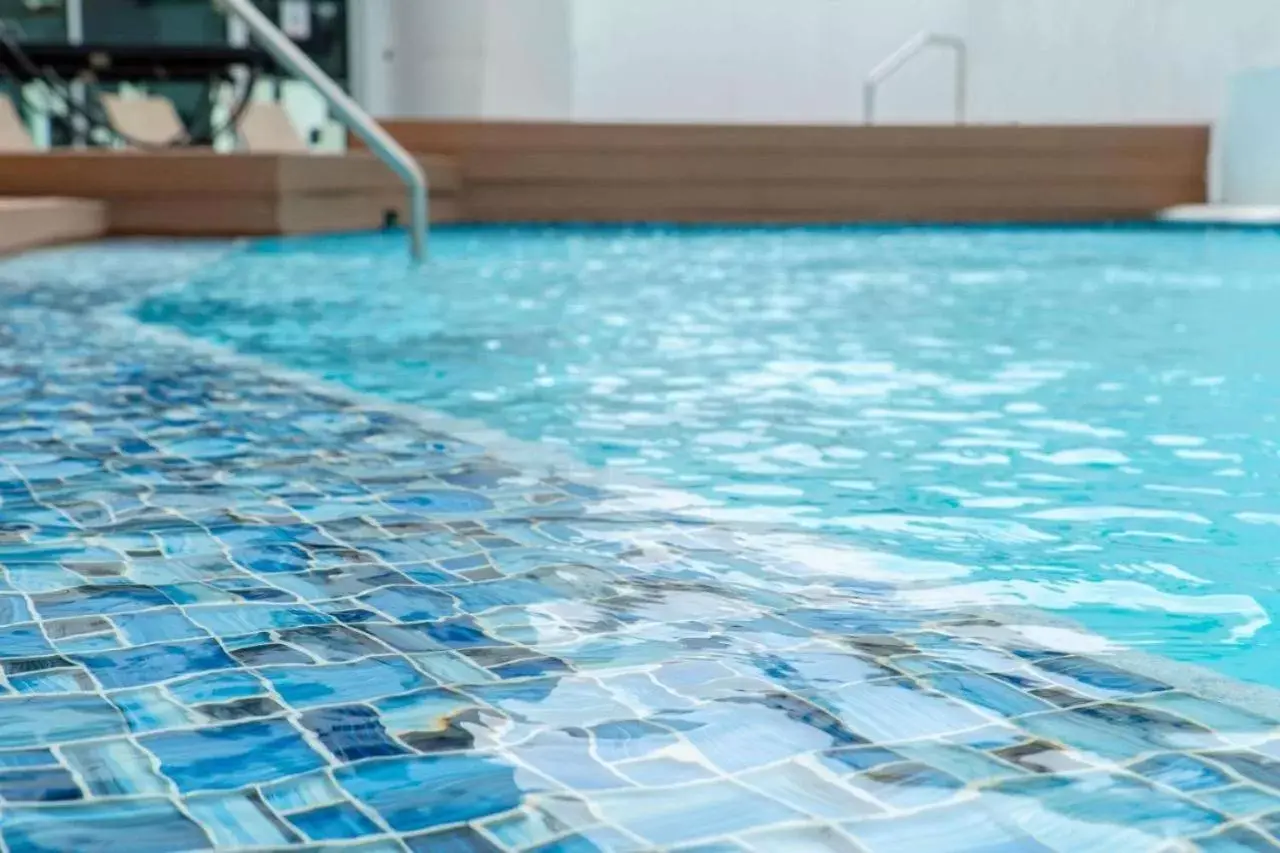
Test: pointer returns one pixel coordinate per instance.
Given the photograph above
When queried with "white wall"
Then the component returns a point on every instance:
(804, 60)
(463, 58)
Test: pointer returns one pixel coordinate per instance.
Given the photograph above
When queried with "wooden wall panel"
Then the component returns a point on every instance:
(201, 193)
(29, 222)
(690, 173)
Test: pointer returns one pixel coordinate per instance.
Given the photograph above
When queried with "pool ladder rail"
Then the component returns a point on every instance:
(910, 49)
(385, 148)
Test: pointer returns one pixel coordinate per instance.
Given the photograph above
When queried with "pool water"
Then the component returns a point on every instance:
(1076, 420)
(632, 540)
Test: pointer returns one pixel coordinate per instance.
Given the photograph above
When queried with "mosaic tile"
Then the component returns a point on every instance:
(1184, 772)
(964, 828)
(334, 823)
(144, 825)
(704, 809)
(114, 767)
(466, 787)
(39, 720)
(1237, 839)
(1242, 800)
(239, 820)
(231, 756)
(1103, 800)
(239, 609)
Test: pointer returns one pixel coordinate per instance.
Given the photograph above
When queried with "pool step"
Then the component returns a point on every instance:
(29, 222)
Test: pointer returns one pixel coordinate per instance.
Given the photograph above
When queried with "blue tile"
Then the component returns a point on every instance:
(38, 784)
(442, 502)
(305, 686)
(567, 759)
(1090, 735)
(229, 620)
(228, 757)
(621, 740)
(1241, 801)
(667, 818)
(133, 667)
(1184, 772)
(334, 823)
(53, 681)
(477, 597)
(93, 601)
(857, 759)
(1237, 839)
(146, 826)
(156, 626)
(1104, 800)
(664, 772)
(300, 793)
(1250, 765)
(333, 643)
(1106, 680)
(23, 641)
(886, 711)
(908, 785)
(13, 609)
(40, 720)
(988, 693)
(351, 732)
(150, 709)
(412, 604)
(272, 558)
(217, 687)
(114, 767)
(28, 758)
(270, 654)
(464, 787)
(1215, 715)
(851, 620)
(533, 668)
(974, 827)
(463, 839)
(461, 633)
(240, 819)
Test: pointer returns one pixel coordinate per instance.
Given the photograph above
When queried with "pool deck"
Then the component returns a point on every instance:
(240, 608)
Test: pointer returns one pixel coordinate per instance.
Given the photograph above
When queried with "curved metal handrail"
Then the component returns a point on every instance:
(289, 55)
(913, 47)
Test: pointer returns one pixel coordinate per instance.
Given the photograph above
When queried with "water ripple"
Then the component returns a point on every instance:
(1089, 406)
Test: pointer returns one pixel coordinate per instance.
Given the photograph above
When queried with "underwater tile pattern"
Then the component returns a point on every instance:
(238, 610)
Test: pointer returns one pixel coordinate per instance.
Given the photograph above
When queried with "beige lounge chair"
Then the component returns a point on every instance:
(150, 119)
(14, 138)
(265, 128)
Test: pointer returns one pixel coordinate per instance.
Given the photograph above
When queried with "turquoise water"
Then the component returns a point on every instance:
(1077, 420)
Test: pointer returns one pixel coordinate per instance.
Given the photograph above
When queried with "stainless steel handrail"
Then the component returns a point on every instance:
(913, 47)
(288, 54)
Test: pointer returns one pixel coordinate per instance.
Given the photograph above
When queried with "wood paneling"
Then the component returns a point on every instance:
(29, 222)
(202, 193)
(691, 173)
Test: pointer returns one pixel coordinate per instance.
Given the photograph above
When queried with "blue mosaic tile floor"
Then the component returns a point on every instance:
(238, 610)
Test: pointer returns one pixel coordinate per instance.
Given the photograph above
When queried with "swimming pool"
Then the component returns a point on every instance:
(612, 539)
(1075, 420)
